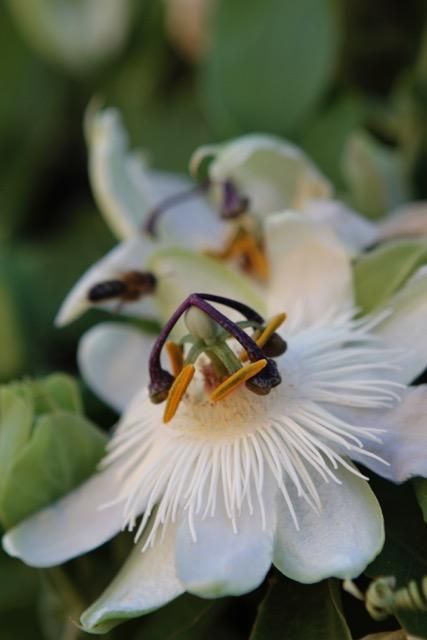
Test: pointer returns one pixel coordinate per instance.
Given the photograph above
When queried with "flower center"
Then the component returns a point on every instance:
(247, 449)
(244, 245)
(223, 371)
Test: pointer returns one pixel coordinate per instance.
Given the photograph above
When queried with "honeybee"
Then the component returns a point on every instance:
(129, 287)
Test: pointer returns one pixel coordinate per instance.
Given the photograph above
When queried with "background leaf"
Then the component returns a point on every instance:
(405, 551)
(298, 612)
(380, 273)
(63, 451)
(260, 74)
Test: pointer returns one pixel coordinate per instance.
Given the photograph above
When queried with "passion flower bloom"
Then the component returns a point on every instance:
(149, 210)
(228, 481)
(221, 215)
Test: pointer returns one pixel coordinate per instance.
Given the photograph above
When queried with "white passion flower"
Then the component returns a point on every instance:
(223, 481)
(272, 174)
(248, 179)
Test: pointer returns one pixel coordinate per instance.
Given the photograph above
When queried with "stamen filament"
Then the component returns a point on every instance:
(236, 379)
(177, 392)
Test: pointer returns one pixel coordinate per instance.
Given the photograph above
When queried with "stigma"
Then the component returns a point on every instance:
(224, 367)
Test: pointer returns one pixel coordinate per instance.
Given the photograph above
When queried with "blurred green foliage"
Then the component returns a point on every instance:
(382, 272)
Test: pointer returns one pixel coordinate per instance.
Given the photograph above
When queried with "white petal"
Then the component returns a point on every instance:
(310, 272)
(403, 439)
(273, 173)
(113, 360)
(126, 190)
(118, 177)
(404, 328)
(130, 255)
(69, 527)
(222, 561)
(181, 273)
(340, 541)
(192, 224)
(354, 231)
(407, 221)
(146, 581)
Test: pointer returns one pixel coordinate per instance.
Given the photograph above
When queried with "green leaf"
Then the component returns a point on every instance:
(46, 446)
(22, 624)
(405, 551)
(420, 486)
(62, 452)
(61, 391)
(300, 612)
(11, 338)
(374, 175)
(269, 64)
(59, 605)
(325, 136)
(18, 584)
(16, 417)
(186, 618)
(28, 152)
(380, 273)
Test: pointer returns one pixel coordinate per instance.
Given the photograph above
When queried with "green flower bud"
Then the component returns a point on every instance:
(47, 447)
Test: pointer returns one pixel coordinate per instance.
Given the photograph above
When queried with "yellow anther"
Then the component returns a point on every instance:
(236, 379)
(177, 391)
(256, 261)
(243, 245)
(271, 326)
(176, 358)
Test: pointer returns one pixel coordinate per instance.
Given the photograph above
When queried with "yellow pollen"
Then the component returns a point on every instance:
(236, 379)
(257, 262)
(174, 352)
(177, 391)
(271, 326)
(244, 245)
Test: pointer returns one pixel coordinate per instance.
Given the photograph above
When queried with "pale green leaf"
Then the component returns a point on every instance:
(380, 273)
(16, 417)
(326, 134)
(63, 392)
(62, 452)
(374, 175)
